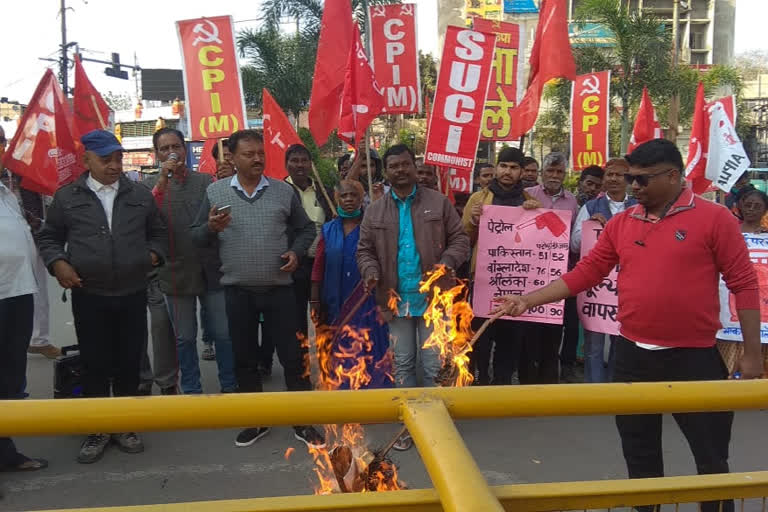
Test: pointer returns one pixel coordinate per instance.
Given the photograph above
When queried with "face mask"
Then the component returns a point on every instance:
(345, 215)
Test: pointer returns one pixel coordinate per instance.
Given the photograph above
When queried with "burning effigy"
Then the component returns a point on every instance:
(345, 359)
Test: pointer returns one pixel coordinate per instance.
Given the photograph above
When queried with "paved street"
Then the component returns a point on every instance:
(201, 465)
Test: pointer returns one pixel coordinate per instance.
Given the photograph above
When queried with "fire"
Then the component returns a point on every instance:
(289, 452)
(345, 360)
(450, 316)
(393, 301)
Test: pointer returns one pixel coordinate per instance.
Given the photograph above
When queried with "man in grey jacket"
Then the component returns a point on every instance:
(262, 232)
(103, 234)
(191, 274)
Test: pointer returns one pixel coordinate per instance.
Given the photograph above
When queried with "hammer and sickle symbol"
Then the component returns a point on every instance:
(208, 35)
(379, 11)
(406, 10)
(591, 85)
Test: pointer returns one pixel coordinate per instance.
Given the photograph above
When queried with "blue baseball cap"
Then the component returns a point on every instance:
(101, 142)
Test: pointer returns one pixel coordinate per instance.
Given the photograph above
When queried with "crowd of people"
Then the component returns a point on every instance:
(253, 254)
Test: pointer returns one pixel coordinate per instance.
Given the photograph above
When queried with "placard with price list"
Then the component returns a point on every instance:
(519, 251)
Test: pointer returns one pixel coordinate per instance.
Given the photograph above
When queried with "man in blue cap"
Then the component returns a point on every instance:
(102, 236)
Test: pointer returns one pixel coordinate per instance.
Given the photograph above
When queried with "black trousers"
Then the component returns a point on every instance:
(15, 332)
(110, 331)
(302, 286)
(502, 338)
(539, 363)
(570, 346)
(708, 433)
(278, 305)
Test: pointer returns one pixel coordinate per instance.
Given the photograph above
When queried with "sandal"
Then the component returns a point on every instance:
(403, 443)
(26, 464)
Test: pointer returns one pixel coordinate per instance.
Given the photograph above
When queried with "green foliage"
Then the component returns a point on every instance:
(752, 63)
(571, 182)
(281, 63)
(428, 72)
(326, 166)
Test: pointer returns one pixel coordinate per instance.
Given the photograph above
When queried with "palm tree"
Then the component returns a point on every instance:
(641, 55)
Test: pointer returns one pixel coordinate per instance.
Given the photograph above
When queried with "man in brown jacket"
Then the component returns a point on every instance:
(403, 235)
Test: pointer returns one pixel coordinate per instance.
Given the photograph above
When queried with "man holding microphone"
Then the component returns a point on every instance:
(191, 274)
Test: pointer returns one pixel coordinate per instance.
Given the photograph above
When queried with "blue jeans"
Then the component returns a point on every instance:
(183, 312)
(406, 335)
(594, 364)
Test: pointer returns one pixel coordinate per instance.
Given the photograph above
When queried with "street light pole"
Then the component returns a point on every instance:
(64, 61)
(674, 106)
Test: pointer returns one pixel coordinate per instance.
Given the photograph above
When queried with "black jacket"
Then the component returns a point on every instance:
(112, 262)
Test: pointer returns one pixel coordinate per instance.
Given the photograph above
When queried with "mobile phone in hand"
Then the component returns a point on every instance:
(224, 209)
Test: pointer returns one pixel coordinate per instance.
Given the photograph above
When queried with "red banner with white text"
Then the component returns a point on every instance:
(506, 80)
(45, 150)
(457, 110)
(212, 84)
(279, 135)
(395, 56)
(590, 106)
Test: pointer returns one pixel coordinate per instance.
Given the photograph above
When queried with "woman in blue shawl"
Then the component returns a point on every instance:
(337, 289)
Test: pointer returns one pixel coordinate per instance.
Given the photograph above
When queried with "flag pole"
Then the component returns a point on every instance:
(368, 164)
(220, 147)
(325, 192)
(98, 113)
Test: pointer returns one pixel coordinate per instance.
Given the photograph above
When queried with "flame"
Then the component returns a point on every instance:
(392, 302)
(450, 316)
(289, 452)
(343, 465)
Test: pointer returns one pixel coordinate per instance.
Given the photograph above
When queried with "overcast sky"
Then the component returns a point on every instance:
(31, 29)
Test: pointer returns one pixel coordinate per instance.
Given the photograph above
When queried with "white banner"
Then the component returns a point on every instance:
(731, 330)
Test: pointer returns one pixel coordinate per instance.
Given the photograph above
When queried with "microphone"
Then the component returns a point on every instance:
(175, 158)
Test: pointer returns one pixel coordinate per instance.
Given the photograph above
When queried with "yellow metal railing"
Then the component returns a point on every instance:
(429, 415)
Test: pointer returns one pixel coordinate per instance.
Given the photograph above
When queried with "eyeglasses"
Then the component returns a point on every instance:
(643, 179)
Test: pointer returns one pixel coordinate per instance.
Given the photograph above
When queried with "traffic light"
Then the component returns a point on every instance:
(115, 70)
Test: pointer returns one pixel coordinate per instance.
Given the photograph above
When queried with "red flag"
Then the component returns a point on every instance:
(647, 125)
(44, 150)
(698, 145)
(362, 99)
(90, 110)
(330, 66)
(551, 57)
(278, 136)
(207, 163)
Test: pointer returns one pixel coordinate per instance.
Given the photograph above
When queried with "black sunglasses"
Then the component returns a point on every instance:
(643, 179)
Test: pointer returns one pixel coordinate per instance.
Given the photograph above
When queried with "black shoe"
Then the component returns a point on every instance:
(264, 370)
(571, 374)
(310, 436)
(93, 448)
(145, 391)
(171, 390)
(250, 435)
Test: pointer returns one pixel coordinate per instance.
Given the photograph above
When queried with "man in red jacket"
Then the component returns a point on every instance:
(671, 248)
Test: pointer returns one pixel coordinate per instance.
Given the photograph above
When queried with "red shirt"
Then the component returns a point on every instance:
(668, 271)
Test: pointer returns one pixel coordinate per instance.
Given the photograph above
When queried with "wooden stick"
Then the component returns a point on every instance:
(368, 165)
(485, 326)
(389, 445)
(98, 113)
(325, 192)
(220, 147)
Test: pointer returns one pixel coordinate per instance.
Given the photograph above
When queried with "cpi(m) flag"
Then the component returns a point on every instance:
(647, 125)
(457, 111)
(90, 110)
(212, 84)
(278, 136)
(45, 150)
(697, 147)
(590, 105)
(330, 68)
(207, 164)
(506, 80)
(362, 99)
(551, 57)
(394, 56)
